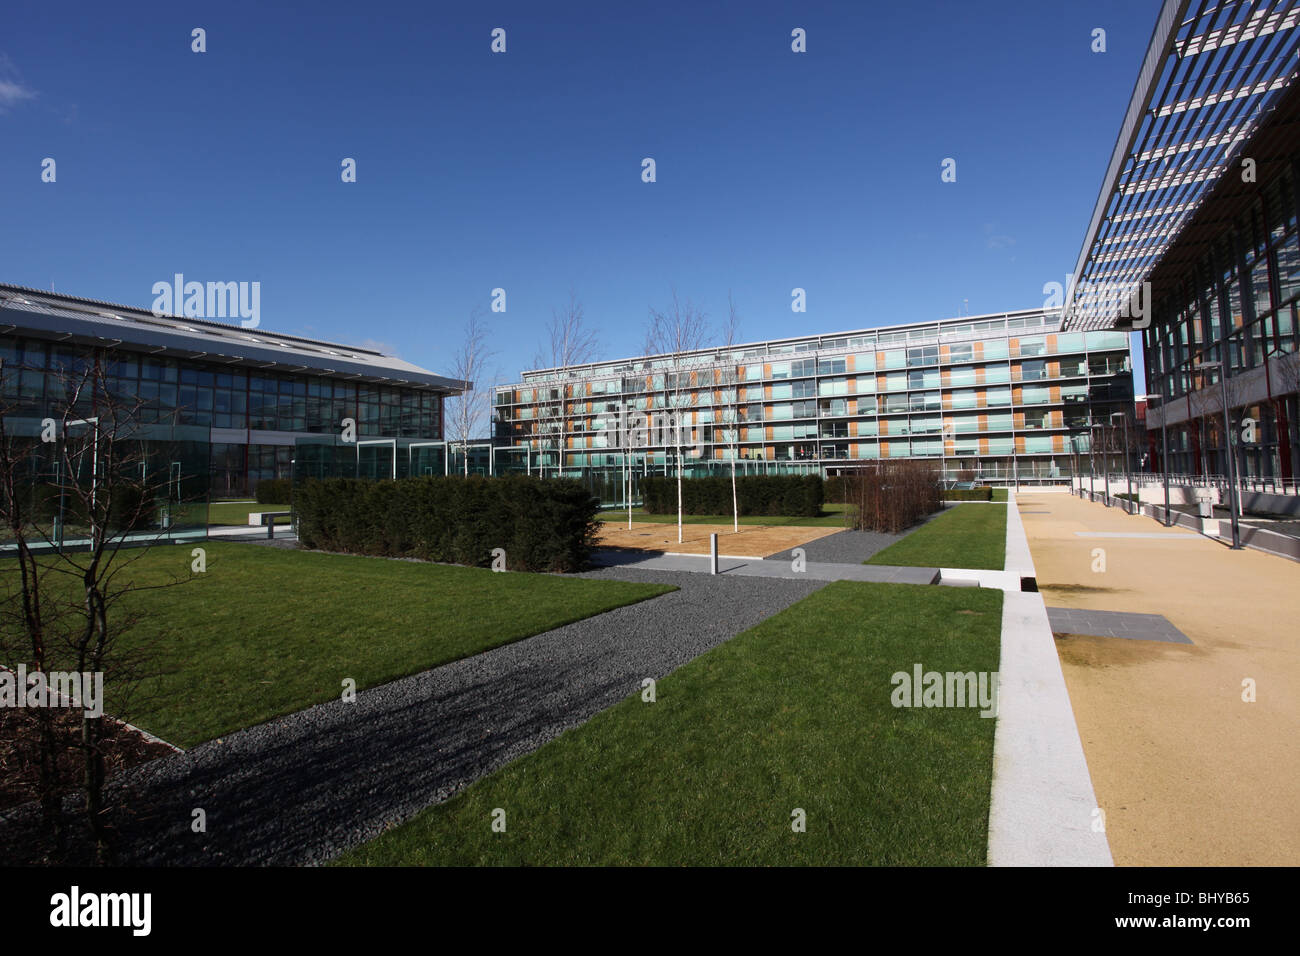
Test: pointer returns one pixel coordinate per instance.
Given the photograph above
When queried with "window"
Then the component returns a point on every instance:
(1033, 371)
(835, 430)
(925, 355)
(1036, 345)
(996, 349)
(1288, 268)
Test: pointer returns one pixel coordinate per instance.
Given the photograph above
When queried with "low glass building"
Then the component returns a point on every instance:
(250, 394)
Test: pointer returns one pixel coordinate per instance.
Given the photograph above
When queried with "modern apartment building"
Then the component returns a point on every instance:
(1200, 202)
(250, 394)
(1000, 397)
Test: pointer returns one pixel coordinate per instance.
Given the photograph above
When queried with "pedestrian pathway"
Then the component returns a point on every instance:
(1191, 746)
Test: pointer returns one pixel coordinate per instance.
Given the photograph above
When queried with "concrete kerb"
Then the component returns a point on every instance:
(1042, 808)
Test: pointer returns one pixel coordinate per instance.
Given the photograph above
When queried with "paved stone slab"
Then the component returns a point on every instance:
(769, 568)
(1136, 627)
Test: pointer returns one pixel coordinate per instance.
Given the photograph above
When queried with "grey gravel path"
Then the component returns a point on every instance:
(301, 789)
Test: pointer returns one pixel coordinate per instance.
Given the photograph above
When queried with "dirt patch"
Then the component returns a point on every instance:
(19, 767)
(756, 541)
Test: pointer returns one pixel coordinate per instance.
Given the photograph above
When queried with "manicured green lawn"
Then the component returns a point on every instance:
(832, 516)
(265, 632)
(999, 494)
(794, 713)
(236, 512)
(964, 536)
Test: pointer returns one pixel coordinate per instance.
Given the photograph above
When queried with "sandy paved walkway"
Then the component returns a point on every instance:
(1187, 773)
(755, 541)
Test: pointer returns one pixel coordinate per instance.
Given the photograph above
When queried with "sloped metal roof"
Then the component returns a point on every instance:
(91, 322)
(1212, 74)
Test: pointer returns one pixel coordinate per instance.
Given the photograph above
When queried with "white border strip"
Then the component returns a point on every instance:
(1042, 808)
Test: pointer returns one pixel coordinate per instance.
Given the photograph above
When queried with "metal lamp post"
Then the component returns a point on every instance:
(1128, 474)
(1227, 450)
(1092, 461)
(1074, 462)
(1105, 468)
(1164, 453)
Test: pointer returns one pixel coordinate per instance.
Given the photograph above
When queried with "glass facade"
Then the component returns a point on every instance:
(239, 405)
(1237, 303)
(994, 398)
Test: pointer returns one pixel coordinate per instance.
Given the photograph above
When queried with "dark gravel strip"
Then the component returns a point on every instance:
(303, 788)
(850, 547)
(843, 547)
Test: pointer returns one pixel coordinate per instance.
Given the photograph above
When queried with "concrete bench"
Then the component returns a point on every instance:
(267, 518)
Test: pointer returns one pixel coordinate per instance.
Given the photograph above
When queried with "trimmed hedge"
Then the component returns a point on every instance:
(274, 491)
(968, 494)
(755, 495)
(544, 524)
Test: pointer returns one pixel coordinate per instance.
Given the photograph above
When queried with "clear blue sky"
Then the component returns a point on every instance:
(523, 170)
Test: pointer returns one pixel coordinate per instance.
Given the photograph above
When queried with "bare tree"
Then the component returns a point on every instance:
(469, 410)
(74, 490)
(570, 343)
(674, 335)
